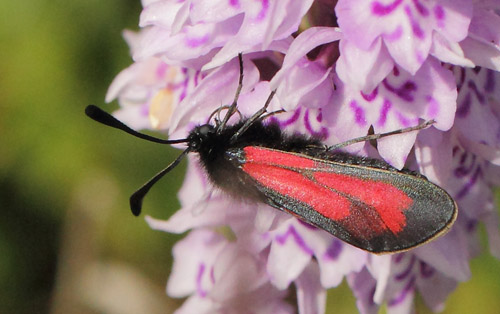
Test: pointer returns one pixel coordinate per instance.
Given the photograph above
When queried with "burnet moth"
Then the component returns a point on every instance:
(362, 201)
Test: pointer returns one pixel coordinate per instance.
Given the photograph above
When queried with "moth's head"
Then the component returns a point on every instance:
(199, 135)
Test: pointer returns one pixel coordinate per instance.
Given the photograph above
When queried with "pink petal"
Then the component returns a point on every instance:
(400, 101)
(406, 26)
(435, 288)
(492, 228)
(215, 90)
(162, 13)
(264, 23)
(305, 42)
(483, 44)
(289, 255)
(448, 255)
(213, 11)
(363, 286)
(380, 268)
(448, 51)
(236, 273)
(433, 151)
(337, 260)
(193, 258)
(311, 296)
(363, 69)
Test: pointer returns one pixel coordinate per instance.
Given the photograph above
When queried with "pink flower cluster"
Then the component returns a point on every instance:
(339, 67)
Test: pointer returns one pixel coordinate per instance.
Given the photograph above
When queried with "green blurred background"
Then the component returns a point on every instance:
(68, 243)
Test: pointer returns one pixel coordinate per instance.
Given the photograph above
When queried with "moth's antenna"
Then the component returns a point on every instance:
(232, 108)
(217, 112)
(381, 135)
(253, 118)
(103, 117)
(138, 196)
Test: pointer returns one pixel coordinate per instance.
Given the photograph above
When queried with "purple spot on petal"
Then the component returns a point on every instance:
(334, 250)
(196, 78)
(489, 85)
(426, 271)
(419, 33)
(406, 122)
(161, 70)
(399, 257)
(273, 120)
(185, 86)
(212, 275)
(433, 108)
(461, 79)
(405, 91)
(381, 9)
(263, 12)
(359, 114)
(420, 57)
(371, 300)
(383, 112)
(182, 95)
(234, 3)
(281, 239)
(463, 170)
(144, 110)
(395, 35)
(464, 106)
(319, 116)
(201, 292)
(197, 41)
(463, 158)
(322, 134)
(472, 86)
(417, 30)
(469, 184)
(403, 120)
(422, 10)
(402, 295)
(407, 271)
(439, 12)
(471, 225)
(291, 120)
(371, 96)
(439, 15)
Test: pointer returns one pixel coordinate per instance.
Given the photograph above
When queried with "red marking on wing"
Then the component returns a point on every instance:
(265, 166)
(266, 156)
(388, 201)
(295, 185)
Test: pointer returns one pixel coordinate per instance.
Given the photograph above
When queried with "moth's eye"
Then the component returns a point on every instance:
(206, 129)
